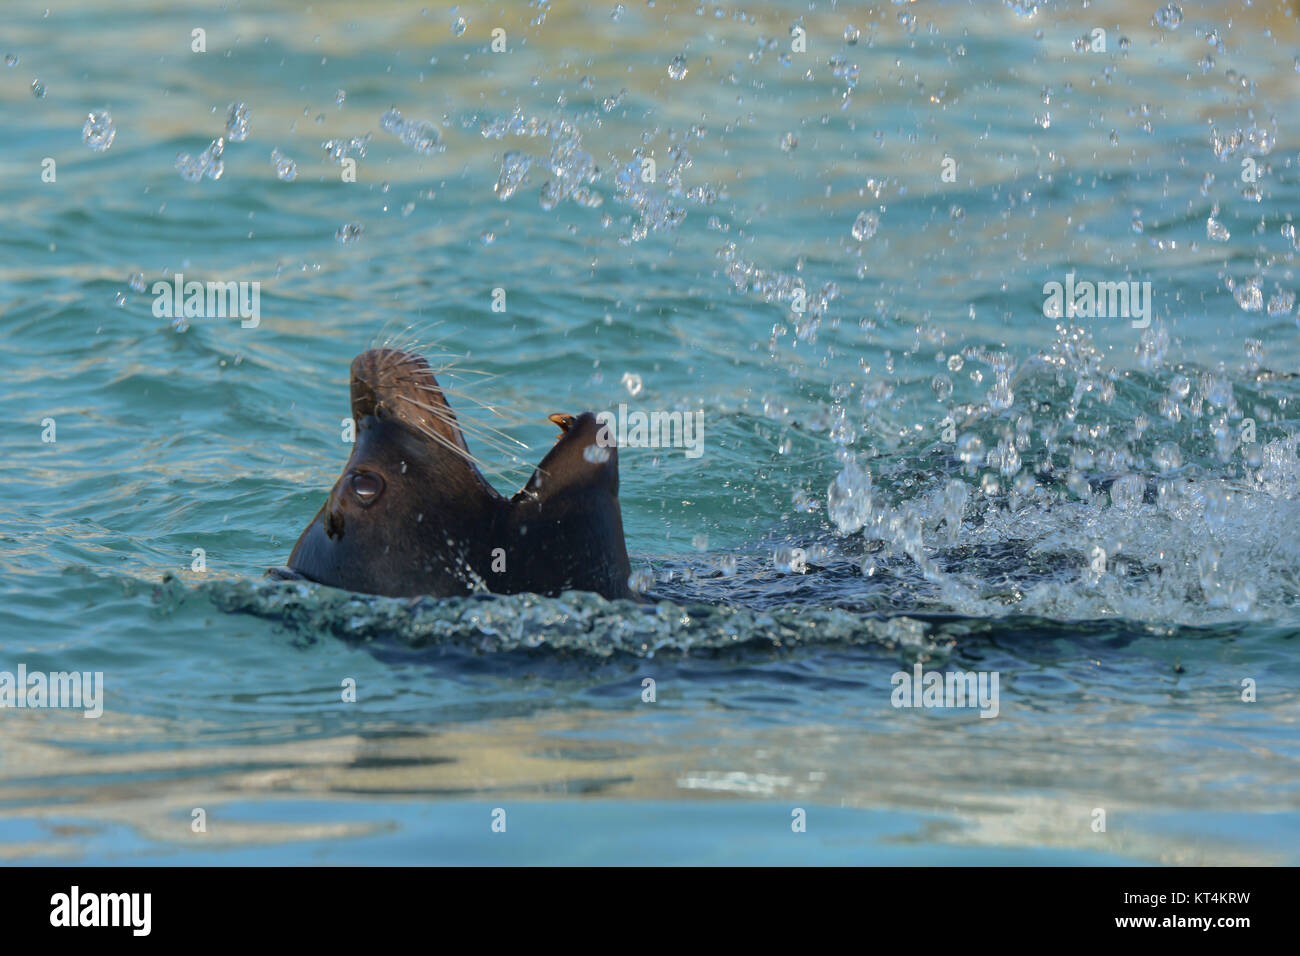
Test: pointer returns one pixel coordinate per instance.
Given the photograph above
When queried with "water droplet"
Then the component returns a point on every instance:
(1167, 457)
(790, 560)
(851, 35)
(421, 136)
(632, 382)
(208, 163)
(11, 60)
(458, 26)
(865, 226)
(788, 142)
(970, 449)
(842, 431)
(641, 580)
(596, 454)
(955, 496)
(349, 232)
(514, 171)
(38, 89)
(340, 96)
(136, 282)
(1218, 391)
(848, 499)
(1024, 9)
(1216, 230)
(237, 123)
(1250, 294)
(677, 68)
(942, 386)
(1126, 492)
(803, 502)
(285, 168)
(341, 149)
(1168, 17)
(98, 131)
(1282, 303)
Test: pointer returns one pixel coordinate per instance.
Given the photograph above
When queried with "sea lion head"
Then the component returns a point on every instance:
(412, 514)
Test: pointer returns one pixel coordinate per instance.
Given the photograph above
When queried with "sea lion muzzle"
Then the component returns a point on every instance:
(564, 421)
(412, 514)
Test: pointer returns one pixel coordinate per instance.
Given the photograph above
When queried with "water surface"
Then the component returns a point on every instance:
(906, 459)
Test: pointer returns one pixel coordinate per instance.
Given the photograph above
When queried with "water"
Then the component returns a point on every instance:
(839, 254)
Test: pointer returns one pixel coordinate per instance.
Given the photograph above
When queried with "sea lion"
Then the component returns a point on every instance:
(413, 515)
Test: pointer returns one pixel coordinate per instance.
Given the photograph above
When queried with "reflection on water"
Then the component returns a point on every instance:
(1011, 798)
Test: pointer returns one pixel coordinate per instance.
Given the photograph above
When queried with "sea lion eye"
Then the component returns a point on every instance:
(367, 486)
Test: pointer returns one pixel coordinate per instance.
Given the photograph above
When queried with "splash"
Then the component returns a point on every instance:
(1047, 504)
(576, 623)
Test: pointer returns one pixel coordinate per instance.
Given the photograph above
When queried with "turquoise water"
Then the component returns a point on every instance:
(1073, 503)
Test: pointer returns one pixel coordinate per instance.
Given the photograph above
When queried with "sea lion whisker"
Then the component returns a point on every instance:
(412, 337)
(456, 371)
(392, 365)
(447, 389)
(480, 430)
(445, 442)
(508, 473)
(430, 356)
(486, 406)
(445, 414)
(388, 336)
(500, 445)
(461, 393)
(438, 390)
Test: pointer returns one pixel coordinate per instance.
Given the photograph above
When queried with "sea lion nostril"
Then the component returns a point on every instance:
(333, 521)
